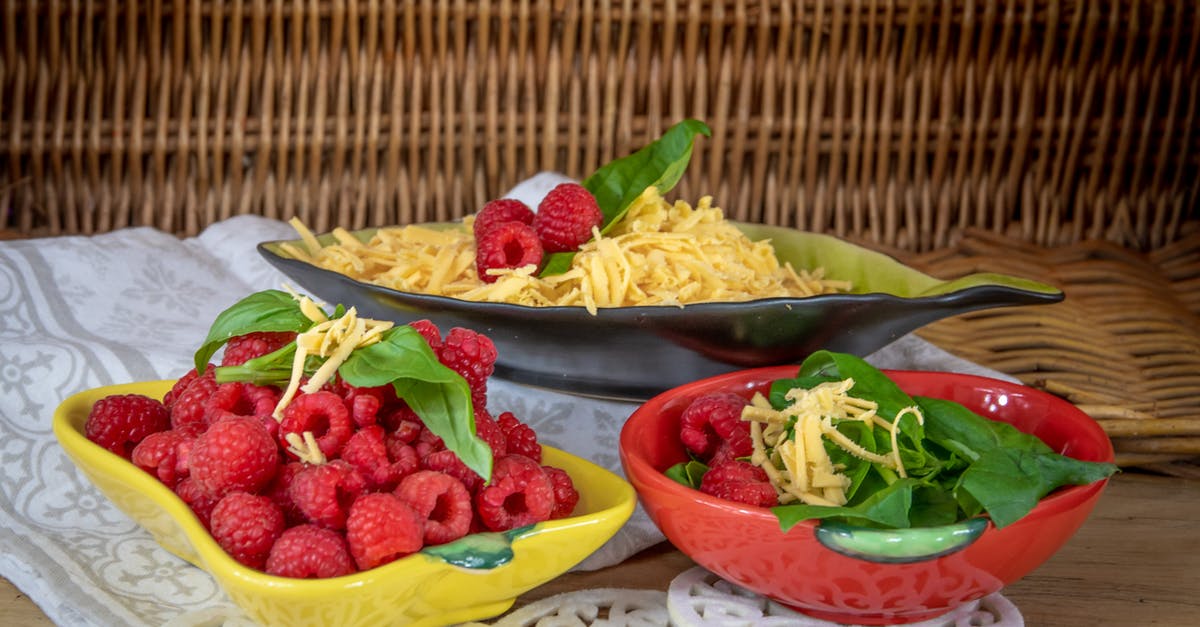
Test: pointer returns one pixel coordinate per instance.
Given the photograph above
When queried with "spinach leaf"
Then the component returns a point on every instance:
(1009, 482)
(440, 396)
(618, 183)
(959, 464)
(869, 382)
(688, 473)
(962, 431)
(269, 310)
(887, 507)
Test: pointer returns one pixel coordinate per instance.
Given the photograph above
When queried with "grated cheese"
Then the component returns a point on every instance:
(332, 340)
(660, 253)
(798, 465)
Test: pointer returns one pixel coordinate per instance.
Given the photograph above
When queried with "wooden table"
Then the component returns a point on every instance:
(1136, 561)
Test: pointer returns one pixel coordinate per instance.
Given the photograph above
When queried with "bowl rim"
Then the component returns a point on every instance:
(640, 471)
(67, 423)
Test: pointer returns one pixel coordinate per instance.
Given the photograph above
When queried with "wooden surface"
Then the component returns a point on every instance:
(1136, 561)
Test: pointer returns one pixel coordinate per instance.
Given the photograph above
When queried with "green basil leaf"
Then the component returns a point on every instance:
(271, 369)
(439, 395)
(269, 310)
(660, 164)
(618, 183)
(557, 263)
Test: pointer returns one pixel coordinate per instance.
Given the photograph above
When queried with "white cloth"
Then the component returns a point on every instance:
(132, 305)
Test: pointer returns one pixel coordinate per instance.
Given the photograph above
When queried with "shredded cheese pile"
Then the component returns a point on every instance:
(796, 461)
(333, 341)
(660, 253)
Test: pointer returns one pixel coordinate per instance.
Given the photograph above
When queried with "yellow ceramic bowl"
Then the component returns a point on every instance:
(474, 578)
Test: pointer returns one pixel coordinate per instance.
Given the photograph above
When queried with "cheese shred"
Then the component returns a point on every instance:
(790, 444)
(659, 253)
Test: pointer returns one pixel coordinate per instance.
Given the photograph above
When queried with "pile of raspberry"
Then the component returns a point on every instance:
(508, 234)
(387, 488)
(712, 430)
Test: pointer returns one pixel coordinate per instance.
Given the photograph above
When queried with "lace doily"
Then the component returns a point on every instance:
(698, 598)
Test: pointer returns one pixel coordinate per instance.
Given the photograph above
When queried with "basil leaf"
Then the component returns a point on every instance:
(271, 369)
(660, 164)
(269, 310)
(439, 395)
(618, 183)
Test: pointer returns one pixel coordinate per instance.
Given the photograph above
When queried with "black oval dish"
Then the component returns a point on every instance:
(634, 353)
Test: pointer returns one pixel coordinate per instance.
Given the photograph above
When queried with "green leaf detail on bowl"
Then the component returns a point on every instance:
(869, 271)
(480, 551)
(899, 546)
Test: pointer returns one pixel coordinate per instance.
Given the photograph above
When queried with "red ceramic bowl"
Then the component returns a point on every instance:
(744, 544)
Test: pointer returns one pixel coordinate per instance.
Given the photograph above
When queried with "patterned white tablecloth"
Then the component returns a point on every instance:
(81, 312)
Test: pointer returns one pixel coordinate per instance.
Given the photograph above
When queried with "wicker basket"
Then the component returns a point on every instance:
(921, 126)
(899, 121)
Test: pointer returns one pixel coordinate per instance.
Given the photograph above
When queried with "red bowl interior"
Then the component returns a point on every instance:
(745, 546)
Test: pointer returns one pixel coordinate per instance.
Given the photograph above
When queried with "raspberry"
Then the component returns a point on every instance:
(240, 399)
(713, 418)
(187, 408)
(246, 526)
(519, 494)
(472, 355)
(382, 528)
(565, 218)
(430, 332)
(120, 421)
(234, 454)
(445, 461)
(499, 211)
(310, 552)
(442, 501)
(160, 455)
(368, 453)
(198, 500)
(427, 443)
(506, 245)
(565, 494)
(324, 414)
(277, 491)
(365, 403)
(401, 421)
(243, 348)
(489, 431)
(739, 481)
(182, 384)
(519, 437)
(324, 493)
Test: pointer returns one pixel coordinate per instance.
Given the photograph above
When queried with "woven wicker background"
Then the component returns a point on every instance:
(898, 121)
(1051, 139)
